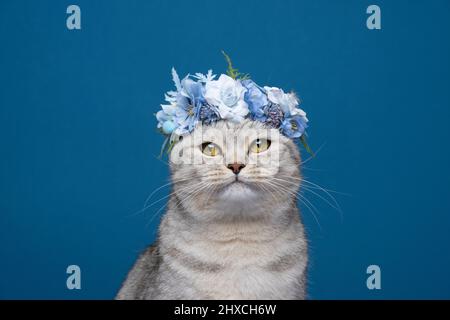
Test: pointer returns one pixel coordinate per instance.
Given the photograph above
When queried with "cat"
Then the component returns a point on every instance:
(232, 229)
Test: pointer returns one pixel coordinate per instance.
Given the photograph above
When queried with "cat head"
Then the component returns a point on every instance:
(229, 170)
(231, 145)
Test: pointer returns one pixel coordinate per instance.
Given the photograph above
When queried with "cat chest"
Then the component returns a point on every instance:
(238, 275)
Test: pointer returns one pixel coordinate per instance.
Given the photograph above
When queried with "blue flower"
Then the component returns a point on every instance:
(201, 99)
(256, 100)
(273, 115)
(208, 114)
(168, 127)
(166, 117)
(294, 126)
(190, 99)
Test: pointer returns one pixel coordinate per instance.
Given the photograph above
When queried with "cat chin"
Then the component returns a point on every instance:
(238, 192)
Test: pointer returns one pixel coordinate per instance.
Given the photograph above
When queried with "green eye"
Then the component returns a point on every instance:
(259, 145)
(210, 149)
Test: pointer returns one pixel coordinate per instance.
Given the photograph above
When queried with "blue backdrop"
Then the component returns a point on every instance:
(79, 146)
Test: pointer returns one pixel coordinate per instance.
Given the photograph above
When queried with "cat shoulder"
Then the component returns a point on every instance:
(142, 276)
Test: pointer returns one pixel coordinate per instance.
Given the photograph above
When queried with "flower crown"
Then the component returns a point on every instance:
(234, 97)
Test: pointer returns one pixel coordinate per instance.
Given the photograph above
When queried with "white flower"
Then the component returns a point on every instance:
(204, 78)
(287, 101)
(227, 95)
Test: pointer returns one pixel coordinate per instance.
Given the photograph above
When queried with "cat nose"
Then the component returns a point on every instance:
(236, 167)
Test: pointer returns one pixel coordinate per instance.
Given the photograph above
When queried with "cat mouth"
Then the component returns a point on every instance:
(237, 183)
(238, 180)
(236, 190)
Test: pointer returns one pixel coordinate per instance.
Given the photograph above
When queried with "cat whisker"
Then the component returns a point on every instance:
(156, 214)
(264, 189)
(154, 191)
(172, 181)
(316, 186)
(312, 169)
(194, 193)
(210, 193)
(311, 211)
(161, 199)
(334, 205)
(299, 197)
(308, 186)
(164, 206)
(311, 185)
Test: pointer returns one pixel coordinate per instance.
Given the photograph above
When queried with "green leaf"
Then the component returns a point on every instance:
(306, 146)
(170, 147)
(233, 72)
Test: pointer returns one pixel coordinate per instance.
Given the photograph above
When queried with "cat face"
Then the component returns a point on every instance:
(234, 169)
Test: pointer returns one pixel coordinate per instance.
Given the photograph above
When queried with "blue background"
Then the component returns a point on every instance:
(79, 146)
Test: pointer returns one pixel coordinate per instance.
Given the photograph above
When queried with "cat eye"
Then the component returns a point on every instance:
(259, 145)
(210, 149)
